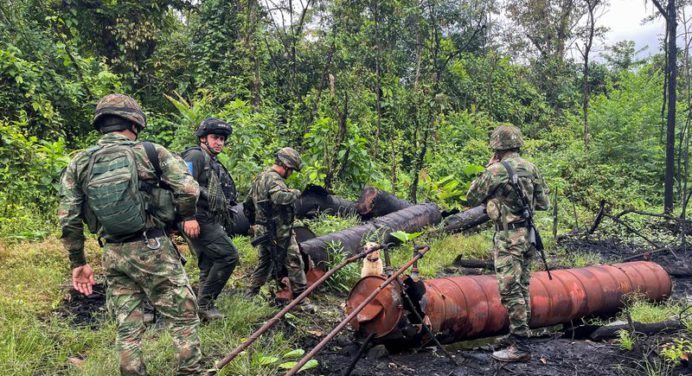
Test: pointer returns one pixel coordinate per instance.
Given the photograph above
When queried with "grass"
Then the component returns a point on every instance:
(35, 274)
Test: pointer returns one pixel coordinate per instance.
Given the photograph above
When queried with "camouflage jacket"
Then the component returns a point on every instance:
(72, 199)
(271, 188)
(494, 189)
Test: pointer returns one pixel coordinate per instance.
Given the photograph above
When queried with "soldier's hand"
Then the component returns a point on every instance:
(296, 192)
(83, 279)
(191, 228)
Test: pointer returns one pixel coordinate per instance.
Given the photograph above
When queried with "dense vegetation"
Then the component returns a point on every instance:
(399, 94)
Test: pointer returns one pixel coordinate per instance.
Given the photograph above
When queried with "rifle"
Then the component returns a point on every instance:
(534, 236)
(270, 239)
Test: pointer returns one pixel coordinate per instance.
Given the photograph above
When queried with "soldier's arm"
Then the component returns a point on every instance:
(70, 215)
(484, 186)
(194, 159)
(540, 193)
(184, 186)
(280, 194)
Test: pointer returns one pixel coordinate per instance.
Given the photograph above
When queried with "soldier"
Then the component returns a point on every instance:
(115, 188)
(217, 257)
(270, 204)
(513, 251)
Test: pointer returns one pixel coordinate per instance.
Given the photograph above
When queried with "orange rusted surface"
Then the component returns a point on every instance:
(468, 307)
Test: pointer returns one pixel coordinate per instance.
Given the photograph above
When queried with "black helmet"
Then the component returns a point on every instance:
(213, 126)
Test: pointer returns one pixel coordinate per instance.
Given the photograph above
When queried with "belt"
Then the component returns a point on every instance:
(141, 236)
(510, 226)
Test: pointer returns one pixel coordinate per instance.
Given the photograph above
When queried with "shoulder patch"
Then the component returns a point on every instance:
(189, 166)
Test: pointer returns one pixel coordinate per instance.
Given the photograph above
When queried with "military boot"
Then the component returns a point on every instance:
(517, 351)
(210, 314)
(306, 306)
(252, 292)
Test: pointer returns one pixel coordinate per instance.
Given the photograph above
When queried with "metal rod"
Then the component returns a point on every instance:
(355, 359)
(271, 322)
(355, 311)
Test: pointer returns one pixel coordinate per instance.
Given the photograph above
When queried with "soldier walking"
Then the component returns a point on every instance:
(513, 250)
(117, 189)
(217, 257)
(269, 206)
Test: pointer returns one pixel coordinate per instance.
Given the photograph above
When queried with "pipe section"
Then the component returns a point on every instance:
(466, 307)
(465, 220)
(374, 202)
(410, 219)
(315, 199)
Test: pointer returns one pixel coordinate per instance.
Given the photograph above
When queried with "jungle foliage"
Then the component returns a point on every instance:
(397, 94)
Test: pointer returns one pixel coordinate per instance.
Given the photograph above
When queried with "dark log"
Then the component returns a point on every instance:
(374, 202)
(411, 219)
(469, 263)
(465, 220)
(678, 272)
(611, 331)
(316, 199)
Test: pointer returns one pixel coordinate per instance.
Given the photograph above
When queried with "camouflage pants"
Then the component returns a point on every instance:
(513, 255)
(217, 257)
(294, 266)
(135, 273)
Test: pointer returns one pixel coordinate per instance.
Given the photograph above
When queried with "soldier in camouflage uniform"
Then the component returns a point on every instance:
(142, 265)
(217, 257)
(270, 193)
(513, 251)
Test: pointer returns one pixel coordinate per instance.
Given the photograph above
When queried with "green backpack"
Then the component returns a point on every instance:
(112, 190)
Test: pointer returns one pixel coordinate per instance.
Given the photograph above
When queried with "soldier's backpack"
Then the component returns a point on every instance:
(115, 197)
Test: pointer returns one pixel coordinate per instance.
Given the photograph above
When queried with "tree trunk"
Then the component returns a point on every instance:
(671, 23)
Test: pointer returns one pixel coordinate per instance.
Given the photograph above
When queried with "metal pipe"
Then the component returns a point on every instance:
(467, 307)
(420, 252)
(410, 219)
(275, 319)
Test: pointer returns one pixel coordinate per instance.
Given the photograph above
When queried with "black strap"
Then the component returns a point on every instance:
(153, 156)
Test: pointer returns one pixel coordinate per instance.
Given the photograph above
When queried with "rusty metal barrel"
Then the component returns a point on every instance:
(467, 307)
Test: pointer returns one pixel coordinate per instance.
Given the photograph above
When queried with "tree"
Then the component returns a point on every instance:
(670, 15)
(589, 32)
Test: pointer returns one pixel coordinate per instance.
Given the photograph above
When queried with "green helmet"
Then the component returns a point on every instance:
(213, 126)
(505, 137)
(121, 106)
(289, 158)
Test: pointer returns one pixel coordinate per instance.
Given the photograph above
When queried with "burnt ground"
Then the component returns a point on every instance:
(561, 353)
(558, 353)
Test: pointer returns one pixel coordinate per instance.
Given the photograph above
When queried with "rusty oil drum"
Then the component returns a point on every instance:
(469, 307)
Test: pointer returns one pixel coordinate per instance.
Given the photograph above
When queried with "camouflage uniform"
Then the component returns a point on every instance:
(512, 251)
(270, 186)
(133, 270)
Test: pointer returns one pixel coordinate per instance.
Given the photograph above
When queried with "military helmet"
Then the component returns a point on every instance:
(505, 137)
(213, 126)
(121, 106)
(289, 158)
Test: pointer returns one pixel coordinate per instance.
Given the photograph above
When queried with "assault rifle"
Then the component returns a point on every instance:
(527, 214)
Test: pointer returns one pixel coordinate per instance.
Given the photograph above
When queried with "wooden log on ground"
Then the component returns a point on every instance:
(611, 331)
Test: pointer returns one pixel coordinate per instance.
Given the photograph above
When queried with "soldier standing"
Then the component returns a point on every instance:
(217, 257)
(270, 205)
(116, 188)
(513, 250)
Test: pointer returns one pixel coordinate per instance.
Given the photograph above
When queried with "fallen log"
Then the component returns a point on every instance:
(411, 219)
(489, 264)
(611, 331)
(374, 202)
(465, 220)
(678, 272)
